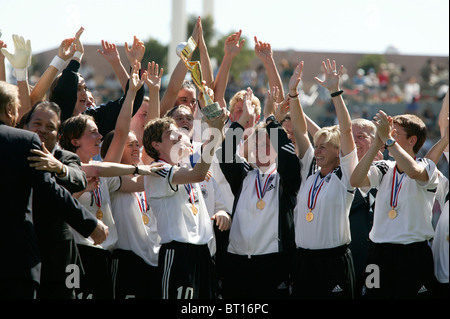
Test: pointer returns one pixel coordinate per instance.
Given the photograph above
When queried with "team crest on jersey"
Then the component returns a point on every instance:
(204, 192)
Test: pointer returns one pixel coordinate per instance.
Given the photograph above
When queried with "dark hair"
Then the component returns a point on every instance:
(73, 128)
(106, 143)
(413, 126)
(153, 133)
(170, 112)
(45, 105)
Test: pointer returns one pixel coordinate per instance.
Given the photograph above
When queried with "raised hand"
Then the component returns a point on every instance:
(270, 104)
(332, 76)
(109, 52)
(153, 75)
(295, 78)
(136, 52)
(263, 50)
(248, 109)
(21, 59)
(66, 49)
(135, 82)
(282, 109)
(232, 45)
(2, 45)
(384, 124)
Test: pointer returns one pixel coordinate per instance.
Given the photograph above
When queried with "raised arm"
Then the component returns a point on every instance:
(404, 160)
(21, 61)
(443, 116)
(205, 62)
(233, 46)
(152, 78)
(299, 125)
(111, 55)
(122, 128)
(65, 91)
(2, 62)
(359, 176)
(197, 174)
(439, 147)
(153, 81)
(65, 52)
(176, 80)
(331, 83)
(264, 51)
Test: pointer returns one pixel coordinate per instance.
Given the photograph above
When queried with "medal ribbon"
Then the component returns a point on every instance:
(190, 190)
(395, 188)
(97, 197)
(261, 192)
(314, 190)
(142, 201)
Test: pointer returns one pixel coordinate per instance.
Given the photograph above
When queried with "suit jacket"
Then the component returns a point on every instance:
(19, 181)
(56, 243)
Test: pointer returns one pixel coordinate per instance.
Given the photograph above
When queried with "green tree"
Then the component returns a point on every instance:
(371, 61)
(155, 51)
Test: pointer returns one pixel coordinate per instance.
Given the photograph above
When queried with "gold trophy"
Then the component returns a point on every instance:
(184, 51)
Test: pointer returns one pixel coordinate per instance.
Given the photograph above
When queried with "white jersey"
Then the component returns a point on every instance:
(413, 205)
(211, 191)
(217, 173)
(440, 247)
(255, 231)
(176, 219)
(129, 210)
(330, 226)
(91, 201)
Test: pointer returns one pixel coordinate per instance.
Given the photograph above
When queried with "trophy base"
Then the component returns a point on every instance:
(212, 110)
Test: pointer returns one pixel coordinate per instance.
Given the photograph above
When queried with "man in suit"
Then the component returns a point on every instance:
(20, 262)
(56, 243)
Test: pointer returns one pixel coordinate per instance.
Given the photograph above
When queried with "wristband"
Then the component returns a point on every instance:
(58, 63)
(337, 93)
(78, 54)
(136, 169)
(271, 118)
(21, 74)
(292, 97)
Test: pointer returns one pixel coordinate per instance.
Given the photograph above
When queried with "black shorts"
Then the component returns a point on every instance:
(323, 274)
(259, 277)
(96, 281)
(133, 277)
(186, 271)
(405, 271)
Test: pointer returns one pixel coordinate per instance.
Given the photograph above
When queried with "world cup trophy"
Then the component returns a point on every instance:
(184, 51)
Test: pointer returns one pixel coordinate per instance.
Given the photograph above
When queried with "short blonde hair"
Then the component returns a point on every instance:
(332, 135)
(364, 123)
(239, 96)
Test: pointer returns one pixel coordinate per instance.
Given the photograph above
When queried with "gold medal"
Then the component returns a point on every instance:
(392, 214)
(99, 214)
(309, 216)
(194, 209)
(145, 219)
(260, 204)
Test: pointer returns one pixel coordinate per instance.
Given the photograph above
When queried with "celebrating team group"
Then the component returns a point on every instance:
(149, 197)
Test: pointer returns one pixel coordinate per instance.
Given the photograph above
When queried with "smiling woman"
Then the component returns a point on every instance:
(79, 134)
